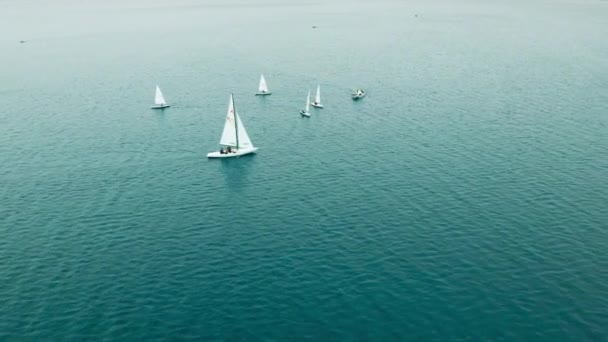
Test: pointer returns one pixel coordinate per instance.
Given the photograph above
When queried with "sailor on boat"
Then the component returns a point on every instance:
(227, 150)
(234, 141)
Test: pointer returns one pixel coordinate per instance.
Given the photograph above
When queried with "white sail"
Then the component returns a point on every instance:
(244, 141)
(159, 99)
(308, 102)
(263, 88)
(229, 134)
(318, 96)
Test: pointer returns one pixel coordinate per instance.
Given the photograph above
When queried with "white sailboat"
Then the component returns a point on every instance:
(317, 102)
(263, 87)
(159, 100)
(234, 137)
(358, 94)
(306, 112)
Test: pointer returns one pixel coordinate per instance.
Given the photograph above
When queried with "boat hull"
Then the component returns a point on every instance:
(160, 106)
(358, 97)
(238, 153)
(316, 105)
(304, 114)
(262, 94)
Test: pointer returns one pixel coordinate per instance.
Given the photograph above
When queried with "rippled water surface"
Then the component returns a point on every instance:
(465, 198)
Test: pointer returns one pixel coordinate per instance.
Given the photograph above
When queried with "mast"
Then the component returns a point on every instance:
(236, 126)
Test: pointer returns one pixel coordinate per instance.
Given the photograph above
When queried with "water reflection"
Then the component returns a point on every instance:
(236, 171)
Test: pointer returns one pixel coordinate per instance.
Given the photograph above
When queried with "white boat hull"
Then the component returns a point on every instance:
(160, 106)
(306, 114)
(316, 105)
(260, 93)
(238, 153)
(358, 96)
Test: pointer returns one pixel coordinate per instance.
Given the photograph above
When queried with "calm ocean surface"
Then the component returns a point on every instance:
(465, 198)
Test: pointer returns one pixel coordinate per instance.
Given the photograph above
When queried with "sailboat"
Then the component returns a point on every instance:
(305, 112)
(317, 103)
(234, 137)
(358, 94)
(159, 100)
(263, 87)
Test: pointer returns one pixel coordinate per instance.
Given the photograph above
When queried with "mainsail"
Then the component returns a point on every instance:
(230, 129)
(308, 102)
(263, 88)
(159, 99)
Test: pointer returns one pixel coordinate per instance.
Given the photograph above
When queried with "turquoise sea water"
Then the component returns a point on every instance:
(465, 198)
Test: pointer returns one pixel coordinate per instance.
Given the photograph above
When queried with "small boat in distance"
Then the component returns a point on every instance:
(317, 102)
(263, 87)
(358, 94)
(306, 112)
(234, 137)
(159, 100)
